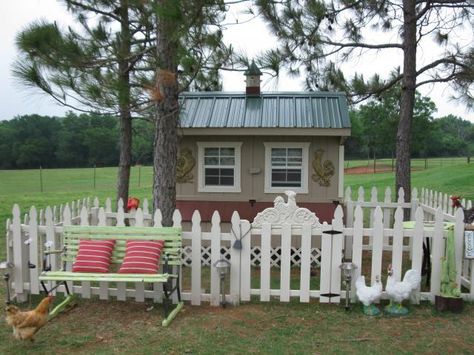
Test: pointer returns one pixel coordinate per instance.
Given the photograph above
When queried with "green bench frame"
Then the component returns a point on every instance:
(170, 257)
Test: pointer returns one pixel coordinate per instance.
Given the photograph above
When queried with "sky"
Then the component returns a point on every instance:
(250, 38)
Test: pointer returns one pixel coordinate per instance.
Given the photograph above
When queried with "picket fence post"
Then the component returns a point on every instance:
(459, 243)
(386, 211)
(326, 263)
(417, 248)
(139, 286)
(98, 219)
(349, 222)
(414, 203)
(285, 263)
(305, 272)
(196, 246)
(377, 245)
(374, 200)
(437, 253)
(215, 256)
(358, 231)
(337, 244)
(235, 259)
(265, 259)
(95, 212)
(34, 255)
(20, 256)
(120, 214)
(157, 287)
(245, 262)
(397, 244)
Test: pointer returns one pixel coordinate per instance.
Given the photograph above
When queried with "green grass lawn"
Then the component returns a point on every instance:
(110, 327)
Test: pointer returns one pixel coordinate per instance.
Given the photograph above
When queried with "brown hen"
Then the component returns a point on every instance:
(26, 323)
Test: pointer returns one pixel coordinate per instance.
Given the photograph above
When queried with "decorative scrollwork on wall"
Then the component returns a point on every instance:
(323, 171)
(185, 166)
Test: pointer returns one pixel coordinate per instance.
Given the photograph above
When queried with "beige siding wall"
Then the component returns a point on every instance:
(253, 157)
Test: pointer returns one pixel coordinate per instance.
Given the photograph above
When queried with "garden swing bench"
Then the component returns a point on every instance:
(170, 257)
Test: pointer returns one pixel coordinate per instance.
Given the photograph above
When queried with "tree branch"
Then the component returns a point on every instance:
(93, 9)
(437, 80)
(364, 45)
(432, 65)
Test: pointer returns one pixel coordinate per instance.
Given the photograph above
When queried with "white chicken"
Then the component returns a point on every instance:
(368, 295)
(398, 291)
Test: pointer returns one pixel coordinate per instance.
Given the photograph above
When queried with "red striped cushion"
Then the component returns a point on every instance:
(93, 256)
(141, 257)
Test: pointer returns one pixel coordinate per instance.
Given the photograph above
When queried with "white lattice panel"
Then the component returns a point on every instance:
(275, 256)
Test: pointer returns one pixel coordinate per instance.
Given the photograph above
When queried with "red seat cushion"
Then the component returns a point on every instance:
(93, 256)
(141, 257)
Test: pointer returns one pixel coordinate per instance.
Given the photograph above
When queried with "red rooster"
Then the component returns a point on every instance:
(132, 204)
(468, 213)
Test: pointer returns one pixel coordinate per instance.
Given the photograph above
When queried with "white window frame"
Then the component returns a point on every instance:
(237, 167)
(304, 166)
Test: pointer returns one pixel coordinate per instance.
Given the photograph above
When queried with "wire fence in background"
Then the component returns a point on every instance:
(387, 165)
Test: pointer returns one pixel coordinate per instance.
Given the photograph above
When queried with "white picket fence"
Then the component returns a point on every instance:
(432, 203)
(285, 252)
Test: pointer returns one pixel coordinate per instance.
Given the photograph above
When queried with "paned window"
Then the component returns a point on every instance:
(219, 167)
(286, 167)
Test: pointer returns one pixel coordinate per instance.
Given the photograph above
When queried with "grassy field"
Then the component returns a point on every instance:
(453, 180)
(266, 328)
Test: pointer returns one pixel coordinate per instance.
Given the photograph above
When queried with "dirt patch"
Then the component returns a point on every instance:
(368, 169)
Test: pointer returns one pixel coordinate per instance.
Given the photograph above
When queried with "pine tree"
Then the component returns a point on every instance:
(315, 36)
(97, 67)
(113, 64)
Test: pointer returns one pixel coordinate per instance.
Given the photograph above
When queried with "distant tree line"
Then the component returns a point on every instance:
(72, 141)
(86, 140)
(374, 130)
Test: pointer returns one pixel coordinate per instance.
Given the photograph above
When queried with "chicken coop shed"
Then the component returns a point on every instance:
(238, 151)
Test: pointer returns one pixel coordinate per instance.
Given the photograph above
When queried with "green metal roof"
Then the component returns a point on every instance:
(269, 110)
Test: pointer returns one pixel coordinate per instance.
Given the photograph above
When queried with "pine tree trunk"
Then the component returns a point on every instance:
(125, 144)
(407, 100)
(166, 121)
(123, 175)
